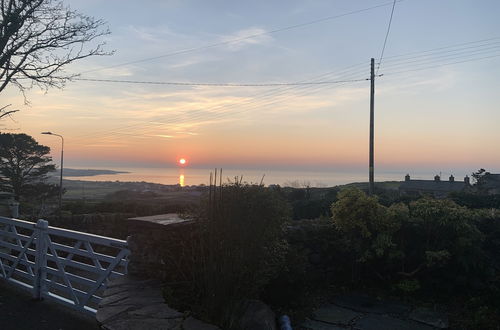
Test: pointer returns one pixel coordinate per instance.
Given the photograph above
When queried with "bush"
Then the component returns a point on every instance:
(241, 247)
(367, 229)
(435, 243)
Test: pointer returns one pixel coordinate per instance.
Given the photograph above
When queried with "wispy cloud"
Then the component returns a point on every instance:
(163, 136)
(156, 34)
(416, 82)
(246, 37)
(103, 145)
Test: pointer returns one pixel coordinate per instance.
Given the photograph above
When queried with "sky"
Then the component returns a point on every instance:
(431, 113)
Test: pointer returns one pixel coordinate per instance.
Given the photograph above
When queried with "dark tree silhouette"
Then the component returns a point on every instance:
(479, 177)
(38, 38)
(24, 164)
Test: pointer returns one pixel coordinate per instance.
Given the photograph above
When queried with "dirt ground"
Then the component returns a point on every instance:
(18, 311)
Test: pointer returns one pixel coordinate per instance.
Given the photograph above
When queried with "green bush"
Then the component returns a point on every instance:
(367, 229)
(433, 241)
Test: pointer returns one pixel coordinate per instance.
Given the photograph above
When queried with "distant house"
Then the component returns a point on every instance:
(490, 183)
(436, 187)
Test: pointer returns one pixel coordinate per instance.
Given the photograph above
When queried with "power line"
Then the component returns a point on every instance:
(426, 56)
(208, 114)
(386, 36)
(442, 64)
(273, 93)
(231, 110)
(348, 72)
(444, 47)
(214, 84)
(291, 27)
(445, 53)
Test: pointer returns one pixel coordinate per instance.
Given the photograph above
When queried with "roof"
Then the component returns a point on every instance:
(163, 219)
(431, 185)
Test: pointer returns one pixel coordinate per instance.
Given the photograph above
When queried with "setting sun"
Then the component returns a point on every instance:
(182, 161)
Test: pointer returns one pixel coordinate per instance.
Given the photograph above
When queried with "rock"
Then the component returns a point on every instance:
(335, 315)
(430, 317)
(255, 315)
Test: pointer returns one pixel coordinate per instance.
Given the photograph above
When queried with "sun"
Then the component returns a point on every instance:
(182, 161)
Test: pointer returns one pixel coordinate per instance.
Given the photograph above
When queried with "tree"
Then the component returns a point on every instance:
(24, 164)
(38, 39)
(480, 178)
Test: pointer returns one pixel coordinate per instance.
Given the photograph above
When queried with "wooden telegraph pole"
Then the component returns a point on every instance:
(372, 105)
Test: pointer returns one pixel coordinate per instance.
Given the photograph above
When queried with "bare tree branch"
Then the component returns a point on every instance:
(39, 38)
(6, 113)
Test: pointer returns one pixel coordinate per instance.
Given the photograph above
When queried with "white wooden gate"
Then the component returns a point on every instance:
(66, 266)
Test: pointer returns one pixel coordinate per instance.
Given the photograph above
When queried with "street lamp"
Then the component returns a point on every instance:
(62, 157)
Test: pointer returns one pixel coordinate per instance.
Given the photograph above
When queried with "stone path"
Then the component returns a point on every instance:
(133, 304)
(356, 311)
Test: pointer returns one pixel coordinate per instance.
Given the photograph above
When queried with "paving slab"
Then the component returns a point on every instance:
(105, 314)
(318, 325)
(141, 324)
(385, 322)
(193, 324)
(160, 311)
(430, 317)
(335, 315)
(368, 304)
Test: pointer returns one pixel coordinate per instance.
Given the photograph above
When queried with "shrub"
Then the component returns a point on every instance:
(368, 229)
(241, 247)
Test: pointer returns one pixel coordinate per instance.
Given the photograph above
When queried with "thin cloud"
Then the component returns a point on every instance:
(249, 37)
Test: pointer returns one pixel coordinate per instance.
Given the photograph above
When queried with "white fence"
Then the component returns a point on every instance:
(66, 266)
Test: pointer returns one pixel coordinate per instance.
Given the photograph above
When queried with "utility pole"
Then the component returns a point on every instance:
(371, 184)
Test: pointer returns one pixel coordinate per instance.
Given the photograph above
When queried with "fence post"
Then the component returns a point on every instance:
(40, 286)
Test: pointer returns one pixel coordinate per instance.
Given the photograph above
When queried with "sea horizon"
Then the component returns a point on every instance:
(292, 177)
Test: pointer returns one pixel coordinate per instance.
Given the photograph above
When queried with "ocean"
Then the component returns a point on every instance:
(195, 176)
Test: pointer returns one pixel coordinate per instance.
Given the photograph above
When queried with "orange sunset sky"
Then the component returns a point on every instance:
(437, 103)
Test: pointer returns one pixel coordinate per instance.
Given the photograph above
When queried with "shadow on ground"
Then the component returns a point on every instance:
(20, 312)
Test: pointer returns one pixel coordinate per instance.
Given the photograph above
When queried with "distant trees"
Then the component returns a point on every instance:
(479, 177)
(38, 39)
(24, 165)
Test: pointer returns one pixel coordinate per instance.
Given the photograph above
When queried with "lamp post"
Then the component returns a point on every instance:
(61, 178)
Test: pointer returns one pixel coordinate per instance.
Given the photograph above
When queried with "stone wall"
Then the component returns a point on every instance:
(135, 301)
(162, 250)
(161, 246)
